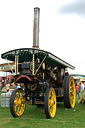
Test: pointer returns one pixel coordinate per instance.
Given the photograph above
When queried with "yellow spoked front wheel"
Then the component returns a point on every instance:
(69, 92)
(50, 103)
(17, 102)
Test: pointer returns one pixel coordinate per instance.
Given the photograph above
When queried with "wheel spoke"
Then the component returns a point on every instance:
(16, 103)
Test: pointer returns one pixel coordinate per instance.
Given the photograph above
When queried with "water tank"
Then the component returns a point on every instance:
(5, 99)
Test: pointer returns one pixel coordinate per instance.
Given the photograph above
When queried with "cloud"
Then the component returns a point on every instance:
(73, 7)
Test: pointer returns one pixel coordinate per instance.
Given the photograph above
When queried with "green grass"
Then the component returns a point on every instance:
(34, 117)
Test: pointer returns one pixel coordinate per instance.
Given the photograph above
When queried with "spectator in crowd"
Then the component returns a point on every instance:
(82, 89)
(7, 86)
(18, 86)
(79, 83)
(77, 90)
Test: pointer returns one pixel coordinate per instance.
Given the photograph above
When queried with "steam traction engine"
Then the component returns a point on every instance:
(43, 75)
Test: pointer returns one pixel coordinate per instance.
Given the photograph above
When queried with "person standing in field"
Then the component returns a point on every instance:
(7, 86)
(79, 83)
(82, 89)
(77, 90)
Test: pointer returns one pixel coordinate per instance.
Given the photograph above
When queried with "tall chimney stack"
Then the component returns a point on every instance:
(36, 28)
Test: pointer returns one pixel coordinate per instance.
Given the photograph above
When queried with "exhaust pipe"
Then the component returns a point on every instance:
(36, 28)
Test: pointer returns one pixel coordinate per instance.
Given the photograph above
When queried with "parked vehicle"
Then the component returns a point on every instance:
(44, 78)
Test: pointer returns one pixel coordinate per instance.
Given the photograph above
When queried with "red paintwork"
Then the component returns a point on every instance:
(22, 78)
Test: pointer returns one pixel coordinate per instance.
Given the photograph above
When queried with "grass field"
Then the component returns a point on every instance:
(34, 117)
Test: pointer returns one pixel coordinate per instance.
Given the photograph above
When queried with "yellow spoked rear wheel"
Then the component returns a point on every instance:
(50, 103)
(72, 92)
(69, 92)
(17, 104)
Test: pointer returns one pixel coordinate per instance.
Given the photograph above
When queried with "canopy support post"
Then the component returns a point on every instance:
(9, 66)
(33, 59)
(16, 64)
(40, 65)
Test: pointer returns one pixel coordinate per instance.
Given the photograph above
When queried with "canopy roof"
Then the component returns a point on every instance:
(25, 54)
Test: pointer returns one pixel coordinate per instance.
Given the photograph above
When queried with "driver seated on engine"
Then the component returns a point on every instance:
(37, 62)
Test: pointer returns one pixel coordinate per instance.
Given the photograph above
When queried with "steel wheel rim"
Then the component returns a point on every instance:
(72, 92)
(19, 105)
(52, 103)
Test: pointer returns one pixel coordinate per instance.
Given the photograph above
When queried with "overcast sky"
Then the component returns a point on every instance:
(62, 28)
